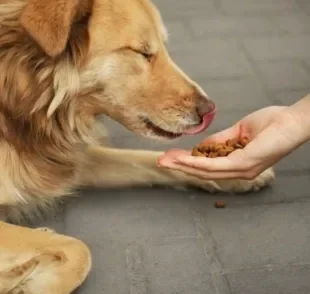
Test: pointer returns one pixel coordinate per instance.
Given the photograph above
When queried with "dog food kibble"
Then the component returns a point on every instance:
(213, 150)
(219, 204)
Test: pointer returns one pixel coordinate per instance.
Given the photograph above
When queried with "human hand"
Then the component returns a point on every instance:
(273, 131)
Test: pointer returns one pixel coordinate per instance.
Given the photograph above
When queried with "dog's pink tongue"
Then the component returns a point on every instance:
(206, 121)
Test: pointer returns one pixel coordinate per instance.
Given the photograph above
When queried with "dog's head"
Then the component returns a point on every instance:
(124, 69)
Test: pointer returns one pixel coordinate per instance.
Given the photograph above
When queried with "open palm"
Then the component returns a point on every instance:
(272, 133)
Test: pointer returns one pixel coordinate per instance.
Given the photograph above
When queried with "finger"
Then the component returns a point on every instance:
(168, 157)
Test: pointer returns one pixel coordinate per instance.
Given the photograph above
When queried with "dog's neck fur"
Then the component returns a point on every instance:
(36, 92)
(44, 113)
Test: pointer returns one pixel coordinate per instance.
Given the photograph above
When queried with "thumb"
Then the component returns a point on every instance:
(168, 158)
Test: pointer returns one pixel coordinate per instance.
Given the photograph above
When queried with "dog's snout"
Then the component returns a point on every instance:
(205, 106)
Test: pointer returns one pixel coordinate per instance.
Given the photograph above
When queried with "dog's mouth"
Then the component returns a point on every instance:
(160, 132)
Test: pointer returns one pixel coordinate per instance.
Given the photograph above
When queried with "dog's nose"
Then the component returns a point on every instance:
(205, 106)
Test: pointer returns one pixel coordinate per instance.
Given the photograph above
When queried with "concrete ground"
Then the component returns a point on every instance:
(246, 54)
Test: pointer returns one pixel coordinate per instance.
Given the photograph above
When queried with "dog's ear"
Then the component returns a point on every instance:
(49, 22)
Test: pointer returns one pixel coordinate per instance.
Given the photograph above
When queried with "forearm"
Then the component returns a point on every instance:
(300, 112)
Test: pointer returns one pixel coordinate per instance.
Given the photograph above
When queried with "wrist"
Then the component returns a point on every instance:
(300, 114)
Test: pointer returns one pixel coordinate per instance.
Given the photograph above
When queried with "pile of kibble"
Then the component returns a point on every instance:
(213, 150)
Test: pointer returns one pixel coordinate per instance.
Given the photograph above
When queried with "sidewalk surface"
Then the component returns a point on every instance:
(246, 54)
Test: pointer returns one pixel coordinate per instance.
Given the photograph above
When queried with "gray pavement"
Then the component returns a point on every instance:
(246, 54)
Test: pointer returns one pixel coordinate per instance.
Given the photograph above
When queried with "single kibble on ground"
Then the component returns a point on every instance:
(213, 150)
(219, 204)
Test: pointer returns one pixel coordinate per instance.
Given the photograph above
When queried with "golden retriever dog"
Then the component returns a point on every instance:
(63, 63)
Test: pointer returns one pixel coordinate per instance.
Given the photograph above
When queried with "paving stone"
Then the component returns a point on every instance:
(260, 235)
(232, 27)
(114, 128)
(283, 190)
(178, 267)
(178, 34)
(305, 5)
(212, 59)
(288, 187)
(284, 75)
(271, 281)
(254, 7)
(296, 160)
(108, 274)
(112, 220)
(54, 219)
(307, 60)
(233, 95)
(278, 47)
(295, 23)
(183, 9)
(306, 64)
(140, 143)
(289, 97)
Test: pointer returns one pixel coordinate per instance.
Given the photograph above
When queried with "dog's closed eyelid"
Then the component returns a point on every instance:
(146, 54)
(135, 50)
(143, 51)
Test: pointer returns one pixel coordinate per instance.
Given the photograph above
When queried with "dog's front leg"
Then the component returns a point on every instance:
(108, 168)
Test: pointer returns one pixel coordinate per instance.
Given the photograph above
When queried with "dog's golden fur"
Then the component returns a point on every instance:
(62, 63)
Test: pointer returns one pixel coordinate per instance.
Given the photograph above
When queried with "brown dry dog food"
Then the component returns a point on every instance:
(213, 150)
(219, 204)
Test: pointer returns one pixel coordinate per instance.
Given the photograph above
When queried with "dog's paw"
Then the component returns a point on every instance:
(45, 229)
(266, 178)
